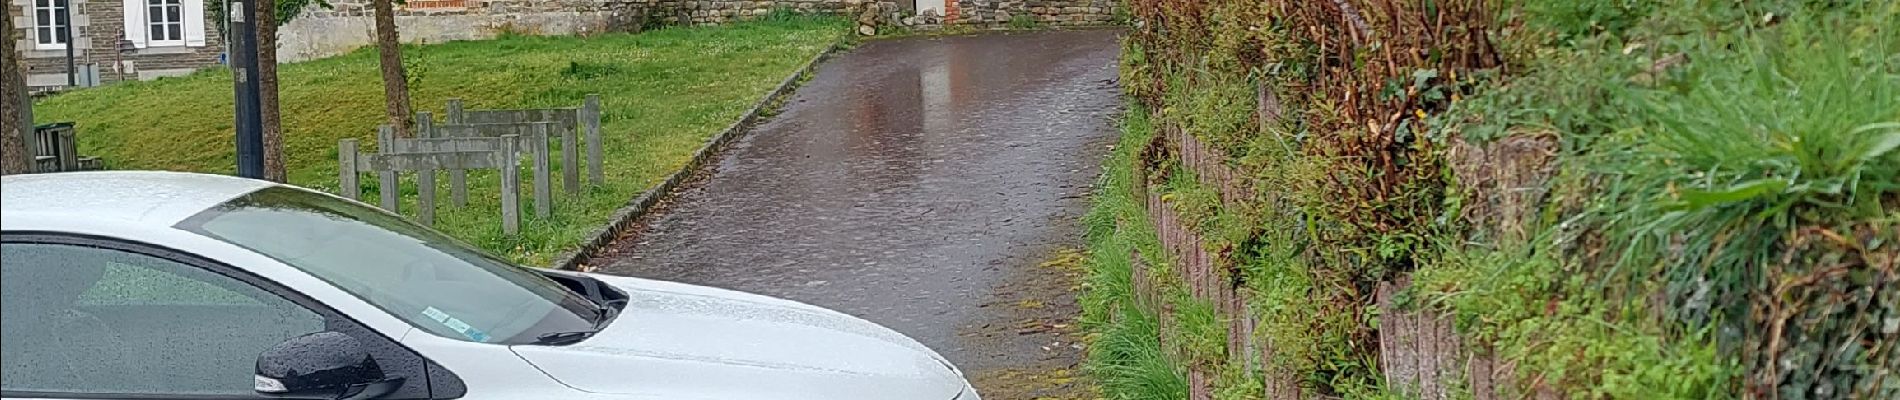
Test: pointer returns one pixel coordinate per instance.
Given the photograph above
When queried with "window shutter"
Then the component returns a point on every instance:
(135, 22)
(194, 22)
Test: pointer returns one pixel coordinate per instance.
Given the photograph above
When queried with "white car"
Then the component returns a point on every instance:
(154, 285)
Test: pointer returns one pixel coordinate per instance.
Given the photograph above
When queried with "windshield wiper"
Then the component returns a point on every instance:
(595, 292)
(603, 314)
(562, 338)
(606, 312)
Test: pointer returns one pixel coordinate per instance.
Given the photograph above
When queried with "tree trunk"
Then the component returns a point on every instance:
(13, 102)
(267, 90)
(395, 84)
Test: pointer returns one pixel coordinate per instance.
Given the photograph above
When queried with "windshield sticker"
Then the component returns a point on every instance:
(455, 324)
(435, 314)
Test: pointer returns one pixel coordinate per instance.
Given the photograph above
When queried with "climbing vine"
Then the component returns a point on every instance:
(287, 10)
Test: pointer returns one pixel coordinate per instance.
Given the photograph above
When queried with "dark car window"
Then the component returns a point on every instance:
(82, 319)
(416, 274)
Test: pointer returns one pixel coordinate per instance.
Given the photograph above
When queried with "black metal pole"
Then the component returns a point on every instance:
(66, 36)
(243, 56)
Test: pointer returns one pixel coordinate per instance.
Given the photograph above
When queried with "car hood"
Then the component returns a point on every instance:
(682, 341)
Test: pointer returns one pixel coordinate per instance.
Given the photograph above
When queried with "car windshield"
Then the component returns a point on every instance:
(417, 274)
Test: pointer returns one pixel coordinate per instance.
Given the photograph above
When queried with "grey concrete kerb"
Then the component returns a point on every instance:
(640, 206)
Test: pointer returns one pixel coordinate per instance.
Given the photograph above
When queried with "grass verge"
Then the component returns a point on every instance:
(663, 93)
(1125, 354)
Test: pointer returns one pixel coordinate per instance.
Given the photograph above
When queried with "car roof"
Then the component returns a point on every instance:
(143, 197)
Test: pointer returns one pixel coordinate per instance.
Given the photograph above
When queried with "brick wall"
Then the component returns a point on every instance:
(98, 27)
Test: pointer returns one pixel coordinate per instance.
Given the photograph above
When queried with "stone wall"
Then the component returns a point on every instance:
(320, 32)
(1039, 12)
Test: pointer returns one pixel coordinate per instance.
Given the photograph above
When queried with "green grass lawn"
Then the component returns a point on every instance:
(663, 93)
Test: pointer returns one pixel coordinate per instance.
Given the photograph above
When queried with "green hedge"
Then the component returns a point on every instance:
(1715, 217)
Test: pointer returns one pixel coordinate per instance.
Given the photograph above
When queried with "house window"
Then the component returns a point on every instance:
(165, 20)
(164, 23)
(49, 23)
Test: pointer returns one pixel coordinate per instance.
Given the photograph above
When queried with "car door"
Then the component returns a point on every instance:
(90, 318)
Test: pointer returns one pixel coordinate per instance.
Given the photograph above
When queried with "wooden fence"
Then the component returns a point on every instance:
(1420, 353)
(477, 139)
(427, 155)
(533, 138)
(585, 119)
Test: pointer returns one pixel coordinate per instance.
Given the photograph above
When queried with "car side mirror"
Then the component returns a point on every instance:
(322, 365)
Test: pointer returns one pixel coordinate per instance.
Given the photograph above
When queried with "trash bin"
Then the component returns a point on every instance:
(53, 148)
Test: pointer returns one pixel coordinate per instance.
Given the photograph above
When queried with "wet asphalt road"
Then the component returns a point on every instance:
(910, 182)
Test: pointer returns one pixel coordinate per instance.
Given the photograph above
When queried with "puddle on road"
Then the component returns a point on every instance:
(917, 183)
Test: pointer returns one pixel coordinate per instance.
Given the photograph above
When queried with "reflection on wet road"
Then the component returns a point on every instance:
(910, 182)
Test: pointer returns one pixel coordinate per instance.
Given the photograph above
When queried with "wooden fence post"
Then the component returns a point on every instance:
(453, 115)
(590, 120)
(387, 184)
(570, 162)
(458, 178)
(510, 185)
(346, 170)
(425, 179)
(542, 187)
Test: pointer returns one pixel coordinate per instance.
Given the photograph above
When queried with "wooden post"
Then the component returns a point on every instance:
(425, 198)
(458, 178)
(453, 115)
(510, 186)
(570, 162)
(590, 120)
(387, 184)
(425, 124)
(346, 170)
(458, 187)
(425, 179)
(542, 187)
